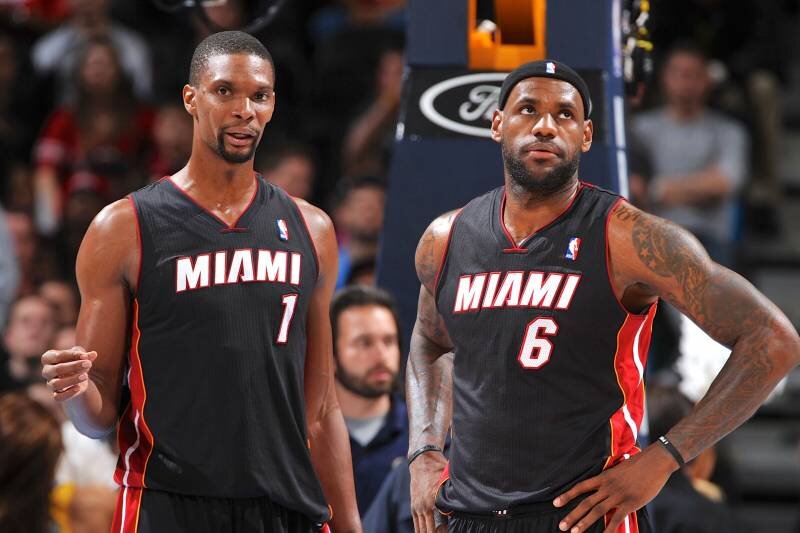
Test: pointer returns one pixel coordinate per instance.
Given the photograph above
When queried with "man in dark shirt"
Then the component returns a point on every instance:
(367, 352)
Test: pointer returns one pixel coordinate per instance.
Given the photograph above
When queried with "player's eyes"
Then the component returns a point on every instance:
(527, 110)
(223, 91)
(567, 114)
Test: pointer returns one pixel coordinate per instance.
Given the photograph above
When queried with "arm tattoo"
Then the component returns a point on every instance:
(730, 310)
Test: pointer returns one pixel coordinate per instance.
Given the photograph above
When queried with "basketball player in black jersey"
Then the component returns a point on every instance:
(207, 293)
(545, 291)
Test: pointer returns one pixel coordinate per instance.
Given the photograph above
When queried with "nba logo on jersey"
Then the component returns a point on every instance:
(572, 248)
(283, 229)
(550, 67)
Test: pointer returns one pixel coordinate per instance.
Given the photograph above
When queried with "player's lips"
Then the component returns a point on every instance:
(542, 150)
(240, 136)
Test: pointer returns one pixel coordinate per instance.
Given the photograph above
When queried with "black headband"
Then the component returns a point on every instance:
(546, 68)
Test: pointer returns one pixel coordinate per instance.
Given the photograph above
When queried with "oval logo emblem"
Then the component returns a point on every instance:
(463, 104)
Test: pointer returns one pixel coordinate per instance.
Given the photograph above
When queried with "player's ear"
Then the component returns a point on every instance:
(588, 133)
(189, 93)
(497, 125)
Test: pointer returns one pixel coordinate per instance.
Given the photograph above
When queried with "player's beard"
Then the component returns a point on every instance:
(553, 181)
(230, 157)
(359, 386)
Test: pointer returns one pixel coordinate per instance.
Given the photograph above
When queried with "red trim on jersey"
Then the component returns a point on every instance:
(139, 242)
(228, 227)
(630, 359)
(134, 436)
(444, 254)
(126, 513)
(519, 248)
(308, 232)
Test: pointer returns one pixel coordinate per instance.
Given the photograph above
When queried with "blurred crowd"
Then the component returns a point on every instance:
(90, 110)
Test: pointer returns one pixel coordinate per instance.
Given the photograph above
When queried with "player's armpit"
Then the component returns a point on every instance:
(669, 261)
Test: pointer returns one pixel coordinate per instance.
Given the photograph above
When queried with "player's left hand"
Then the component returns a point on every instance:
(620, 490)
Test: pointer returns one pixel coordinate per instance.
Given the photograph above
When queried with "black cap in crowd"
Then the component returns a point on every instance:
(546, 68)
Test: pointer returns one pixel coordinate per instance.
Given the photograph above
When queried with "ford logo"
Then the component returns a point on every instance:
(463, 104)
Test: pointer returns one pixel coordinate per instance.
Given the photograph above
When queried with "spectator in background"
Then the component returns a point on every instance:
(30, 331)
(9, 268)
(58, 52)
(102, 136)
(366, 341)
(368, 144)
(358, 218)
(172, 141)
(698, 157)
(362, 273)
(62, 297)
(20, 115)
(330, 20)
(689, 502)
(291, 167)
(25, 245)
(30, 446)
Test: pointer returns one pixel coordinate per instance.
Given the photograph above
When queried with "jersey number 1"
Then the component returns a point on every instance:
(288, 301)
(536, 347)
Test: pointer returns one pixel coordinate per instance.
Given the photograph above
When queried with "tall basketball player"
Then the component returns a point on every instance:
(545, 290)
(207, 294)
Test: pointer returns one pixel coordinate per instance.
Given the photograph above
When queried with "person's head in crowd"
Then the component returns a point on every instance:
(20, 225)
(101, 82)
(63, 298)
(359, 213)
(362, 273)
(685, 79)
(290, 166)
(29, 333)
(30, 447)
(172, 136)
(227, 15)
(366, 346)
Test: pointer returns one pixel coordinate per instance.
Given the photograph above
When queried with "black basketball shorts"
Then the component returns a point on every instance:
(151, 511)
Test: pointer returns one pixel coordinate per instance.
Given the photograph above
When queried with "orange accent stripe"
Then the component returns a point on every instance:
(442, 480)
(139, 392)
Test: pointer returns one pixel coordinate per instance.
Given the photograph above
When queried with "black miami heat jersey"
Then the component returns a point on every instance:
(218, 346)
(548, 366)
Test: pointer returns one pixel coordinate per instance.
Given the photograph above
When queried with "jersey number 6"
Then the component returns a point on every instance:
(536, 347)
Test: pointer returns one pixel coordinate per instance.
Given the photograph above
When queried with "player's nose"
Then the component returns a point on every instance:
(243, 109)
(545, 126)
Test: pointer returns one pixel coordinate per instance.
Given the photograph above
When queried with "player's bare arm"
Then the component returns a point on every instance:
(88, 377)
(428, 378)
(330, 444)
(651, 257)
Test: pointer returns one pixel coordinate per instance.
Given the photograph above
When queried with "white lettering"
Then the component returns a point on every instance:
(191, 276)
(468, 296)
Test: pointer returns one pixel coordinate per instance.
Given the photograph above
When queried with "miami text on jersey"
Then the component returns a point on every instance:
(245, 266)
(491, 290)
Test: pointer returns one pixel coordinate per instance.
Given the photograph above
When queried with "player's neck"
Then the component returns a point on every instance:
(526, 212)
(356, 406)
(685, 113)
(215, 180)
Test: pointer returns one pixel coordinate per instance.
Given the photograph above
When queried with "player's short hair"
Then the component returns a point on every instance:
(360, 296)
(225, 43)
